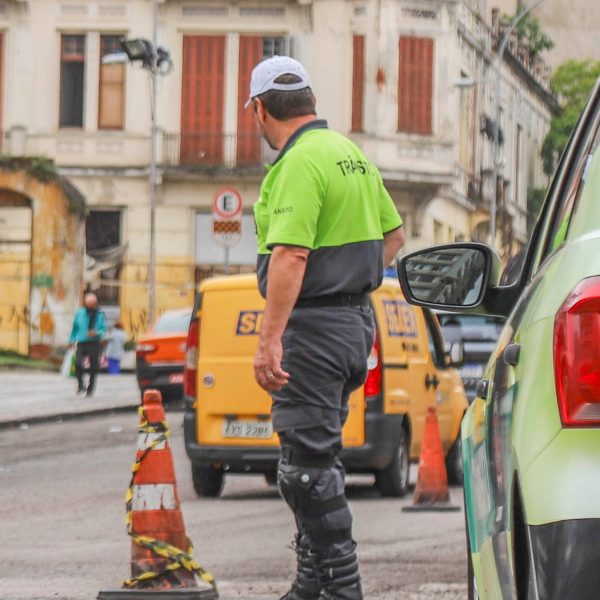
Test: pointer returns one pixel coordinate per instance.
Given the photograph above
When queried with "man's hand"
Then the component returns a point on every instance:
(92, 333)
(286, 271)
(267, 366)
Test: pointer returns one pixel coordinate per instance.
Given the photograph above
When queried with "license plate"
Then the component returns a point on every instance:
(176, 378)
(248, 429)
(471, 371)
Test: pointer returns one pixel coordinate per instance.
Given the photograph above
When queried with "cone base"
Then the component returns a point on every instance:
(177, 594)
(441, 507)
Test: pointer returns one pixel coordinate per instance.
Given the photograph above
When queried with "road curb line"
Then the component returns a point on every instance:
(72, 416)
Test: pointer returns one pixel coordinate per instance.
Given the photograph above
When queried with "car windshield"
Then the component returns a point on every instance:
(172, 323)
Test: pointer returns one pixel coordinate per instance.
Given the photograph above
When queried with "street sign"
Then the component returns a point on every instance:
(227, 204)
(227, 217)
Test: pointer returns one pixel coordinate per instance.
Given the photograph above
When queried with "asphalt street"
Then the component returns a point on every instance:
(62, 489)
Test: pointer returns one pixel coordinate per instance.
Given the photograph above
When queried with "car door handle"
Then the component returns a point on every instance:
(431, 381)
(482, 388)
(511, 354)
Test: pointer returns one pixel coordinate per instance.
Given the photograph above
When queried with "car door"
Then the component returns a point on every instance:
(441, 378)
(501, 383)
(407, 323)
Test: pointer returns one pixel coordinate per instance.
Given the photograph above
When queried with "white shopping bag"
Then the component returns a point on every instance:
(66, 366)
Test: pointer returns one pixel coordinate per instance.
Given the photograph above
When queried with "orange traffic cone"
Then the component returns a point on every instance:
(162, 565)
(431, 492)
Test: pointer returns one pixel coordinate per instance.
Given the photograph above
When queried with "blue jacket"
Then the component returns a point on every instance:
(81, 325)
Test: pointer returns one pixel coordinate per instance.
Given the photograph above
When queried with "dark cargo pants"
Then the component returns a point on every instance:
(92, 351)
(325, 352)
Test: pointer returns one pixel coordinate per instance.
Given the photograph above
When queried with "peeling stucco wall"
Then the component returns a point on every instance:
(56, 264)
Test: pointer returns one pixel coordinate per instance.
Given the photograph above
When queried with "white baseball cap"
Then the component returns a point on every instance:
(267, 71)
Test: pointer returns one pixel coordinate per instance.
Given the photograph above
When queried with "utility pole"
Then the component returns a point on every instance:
(153, 171)
(156, 60)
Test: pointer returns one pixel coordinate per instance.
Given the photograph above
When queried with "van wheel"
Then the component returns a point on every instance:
(454, 463)
(208, 481)
(393, 480)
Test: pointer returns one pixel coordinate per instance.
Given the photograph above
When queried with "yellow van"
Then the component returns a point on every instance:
(227, 419)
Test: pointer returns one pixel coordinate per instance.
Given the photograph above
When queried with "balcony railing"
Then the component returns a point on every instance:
(215, 150)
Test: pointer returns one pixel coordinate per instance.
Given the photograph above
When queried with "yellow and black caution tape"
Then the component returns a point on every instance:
(179, 559)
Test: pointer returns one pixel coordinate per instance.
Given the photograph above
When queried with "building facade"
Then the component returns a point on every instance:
(573, 27)
(411, 81)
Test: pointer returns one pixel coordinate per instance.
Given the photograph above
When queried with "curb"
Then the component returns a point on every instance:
(71, 416)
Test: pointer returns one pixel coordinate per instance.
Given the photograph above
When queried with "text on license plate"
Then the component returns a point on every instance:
(176, 378)
(248, 429)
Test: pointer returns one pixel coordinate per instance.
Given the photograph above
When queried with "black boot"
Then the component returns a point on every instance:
(306, 585)
(340, 578)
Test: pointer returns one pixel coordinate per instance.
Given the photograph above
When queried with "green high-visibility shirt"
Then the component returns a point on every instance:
(323, 194)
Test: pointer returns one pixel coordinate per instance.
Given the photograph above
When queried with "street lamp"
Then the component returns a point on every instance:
(525, 10)
(157, 61)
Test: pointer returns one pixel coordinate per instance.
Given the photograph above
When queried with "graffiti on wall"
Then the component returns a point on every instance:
(14, 327)
(139, 322)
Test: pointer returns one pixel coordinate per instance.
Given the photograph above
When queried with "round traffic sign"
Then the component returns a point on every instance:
(227, 204)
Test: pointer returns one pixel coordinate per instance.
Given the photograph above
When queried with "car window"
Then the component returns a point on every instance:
(560, 228)
(172, 323)
(574, 179)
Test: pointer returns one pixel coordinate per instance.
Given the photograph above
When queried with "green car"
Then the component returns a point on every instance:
(531, 437)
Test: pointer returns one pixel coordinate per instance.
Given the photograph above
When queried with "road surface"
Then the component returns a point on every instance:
(63, 534)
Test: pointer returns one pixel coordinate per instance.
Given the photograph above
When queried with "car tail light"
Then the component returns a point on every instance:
(374, 378)
(577, 356)
(191, 359)
(143, 349)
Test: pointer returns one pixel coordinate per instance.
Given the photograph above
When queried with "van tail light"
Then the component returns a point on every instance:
(191, 359)
(577, 356)
(143, 349)
(374, 377)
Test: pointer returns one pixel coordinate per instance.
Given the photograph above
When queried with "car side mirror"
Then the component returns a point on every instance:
(448, 276)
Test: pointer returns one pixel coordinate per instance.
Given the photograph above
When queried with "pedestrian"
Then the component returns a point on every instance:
(89, 325)
(115, 349)
(325, 228)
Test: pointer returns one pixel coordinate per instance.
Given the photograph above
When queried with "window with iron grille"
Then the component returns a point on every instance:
(72, 75)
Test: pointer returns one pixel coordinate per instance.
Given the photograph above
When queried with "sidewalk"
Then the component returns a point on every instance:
(35, 396)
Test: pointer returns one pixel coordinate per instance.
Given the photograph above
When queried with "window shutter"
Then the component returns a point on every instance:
(111, 103)
(248, 136)
(2, 81)
(358, 82)
(202, 99)
(415, 85)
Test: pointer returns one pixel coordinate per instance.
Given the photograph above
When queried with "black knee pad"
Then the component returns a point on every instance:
(295, 484)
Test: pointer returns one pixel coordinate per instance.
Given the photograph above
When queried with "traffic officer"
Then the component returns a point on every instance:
(325, 228)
